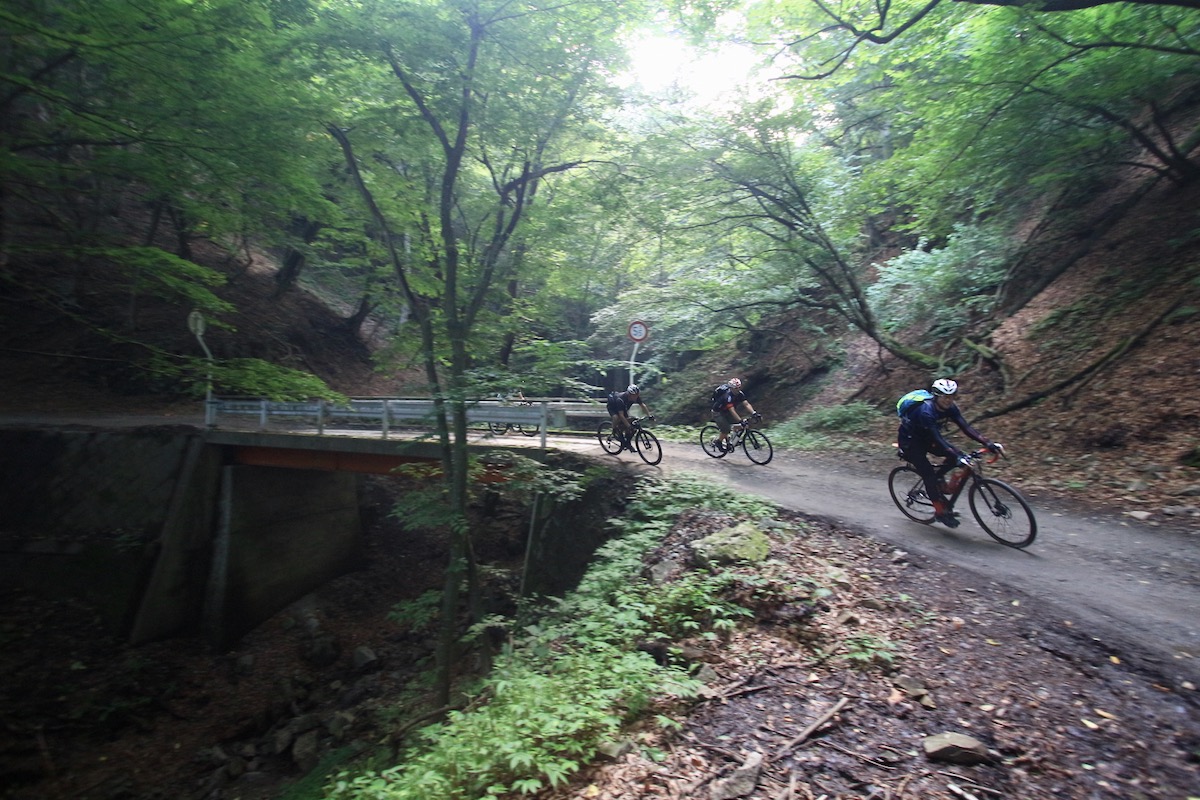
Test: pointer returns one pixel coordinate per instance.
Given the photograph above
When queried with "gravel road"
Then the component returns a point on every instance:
(1133, 586)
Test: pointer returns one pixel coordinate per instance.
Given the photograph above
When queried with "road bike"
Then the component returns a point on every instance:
(501, 428)
(999, 509)
(754, 443)
(643, 441)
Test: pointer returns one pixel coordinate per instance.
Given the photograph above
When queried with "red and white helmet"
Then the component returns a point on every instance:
(735, 383)
(944, 386)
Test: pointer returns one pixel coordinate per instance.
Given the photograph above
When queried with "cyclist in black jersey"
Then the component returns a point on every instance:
(618, 406)
(725, 401)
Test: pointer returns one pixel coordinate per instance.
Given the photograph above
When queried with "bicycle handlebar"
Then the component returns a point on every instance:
(996, 455)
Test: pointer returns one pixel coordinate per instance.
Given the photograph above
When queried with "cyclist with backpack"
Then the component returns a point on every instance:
(618, 407)
(923, 414)
(724, 401)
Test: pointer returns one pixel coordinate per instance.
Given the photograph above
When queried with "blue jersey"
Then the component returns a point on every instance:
(922, 427)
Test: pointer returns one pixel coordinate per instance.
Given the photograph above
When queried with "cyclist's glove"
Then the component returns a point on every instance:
(757, 415)
(995, 447)
(964, 461)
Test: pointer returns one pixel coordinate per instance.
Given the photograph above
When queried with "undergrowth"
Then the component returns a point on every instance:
(828, 428)
(570, 675)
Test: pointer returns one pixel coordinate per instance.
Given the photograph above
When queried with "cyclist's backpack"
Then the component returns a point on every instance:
(717, 401)
(911, 400)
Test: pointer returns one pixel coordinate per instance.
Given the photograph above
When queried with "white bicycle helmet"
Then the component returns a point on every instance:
(944, 386)
(633, 389)
(735, 383)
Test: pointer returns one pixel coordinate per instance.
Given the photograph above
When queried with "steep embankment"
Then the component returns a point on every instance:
(70, 331)
(1093, 382)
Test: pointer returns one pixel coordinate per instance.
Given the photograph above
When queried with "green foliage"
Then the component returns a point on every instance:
(677, 433)
(572, 677)
(157, 272)
(538, 368)
(1181, 314)
(311, 785)
(539, 723)
(419, 613)
(942, 288)
(426, 504)
(826, 428)
(525, 478)
(695, 605)
(238, 376)
(867, 651)
(255, 377)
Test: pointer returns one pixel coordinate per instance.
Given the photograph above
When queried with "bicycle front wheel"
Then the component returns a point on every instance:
(530, 430)
(710, 441)
(1002, 512)
(648, 447)
(497, 428)
(909, 495)
(757, 447)
(608, 440)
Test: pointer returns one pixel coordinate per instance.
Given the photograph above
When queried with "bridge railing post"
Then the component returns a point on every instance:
(320, 417)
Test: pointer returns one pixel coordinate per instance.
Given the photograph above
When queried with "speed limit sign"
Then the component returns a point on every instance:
(638, 330)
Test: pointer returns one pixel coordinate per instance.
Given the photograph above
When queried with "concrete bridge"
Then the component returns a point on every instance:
(171, 529)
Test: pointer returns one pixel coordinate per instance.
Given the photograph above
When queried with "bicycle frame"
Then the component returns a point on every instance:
(974, 472)
(738, 432)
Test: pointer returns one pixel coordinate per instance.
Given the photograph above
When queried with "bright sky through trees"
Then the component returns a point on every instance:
(660, 61)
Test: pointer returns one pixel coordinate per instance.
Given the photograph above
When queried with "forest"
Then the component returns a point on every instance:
(490, 190)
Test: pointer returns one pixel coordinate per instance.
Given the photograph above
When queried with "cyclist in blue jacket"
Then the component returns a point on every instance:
(920, 436)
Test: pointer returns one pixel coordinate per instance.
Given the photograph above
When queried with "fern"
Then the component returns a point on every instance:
(571, 678)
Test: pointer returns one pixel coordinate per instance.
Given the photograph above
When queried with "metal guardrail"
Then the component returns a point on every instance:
(385, 413)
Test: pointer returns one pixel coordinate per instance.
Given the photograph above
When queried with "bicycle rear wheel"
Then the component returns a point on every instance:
(648, 447)
(498, 428)
(709, 437)
(1002, 512)
(909, 495)
(757, 447)
(529, 430)
(608, 440)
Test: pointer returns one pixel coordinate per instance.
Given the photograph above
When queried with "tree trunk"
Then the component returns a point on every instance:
(355, 321)
(294, 259)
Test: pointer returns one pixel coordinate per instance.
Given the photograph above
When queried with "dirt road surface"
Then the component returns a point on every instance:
(1134, 587)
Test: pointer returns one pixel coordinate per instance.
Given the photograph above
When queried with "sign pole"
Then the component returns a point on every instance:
(638, 331)
(196, 325)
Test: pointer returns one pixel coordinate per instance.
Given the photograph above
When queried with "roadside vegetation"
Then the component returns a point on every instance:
(571, 673)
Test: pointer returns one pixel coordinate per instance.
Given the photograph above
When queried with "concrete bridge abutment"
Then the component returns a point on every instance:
(157, 530)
